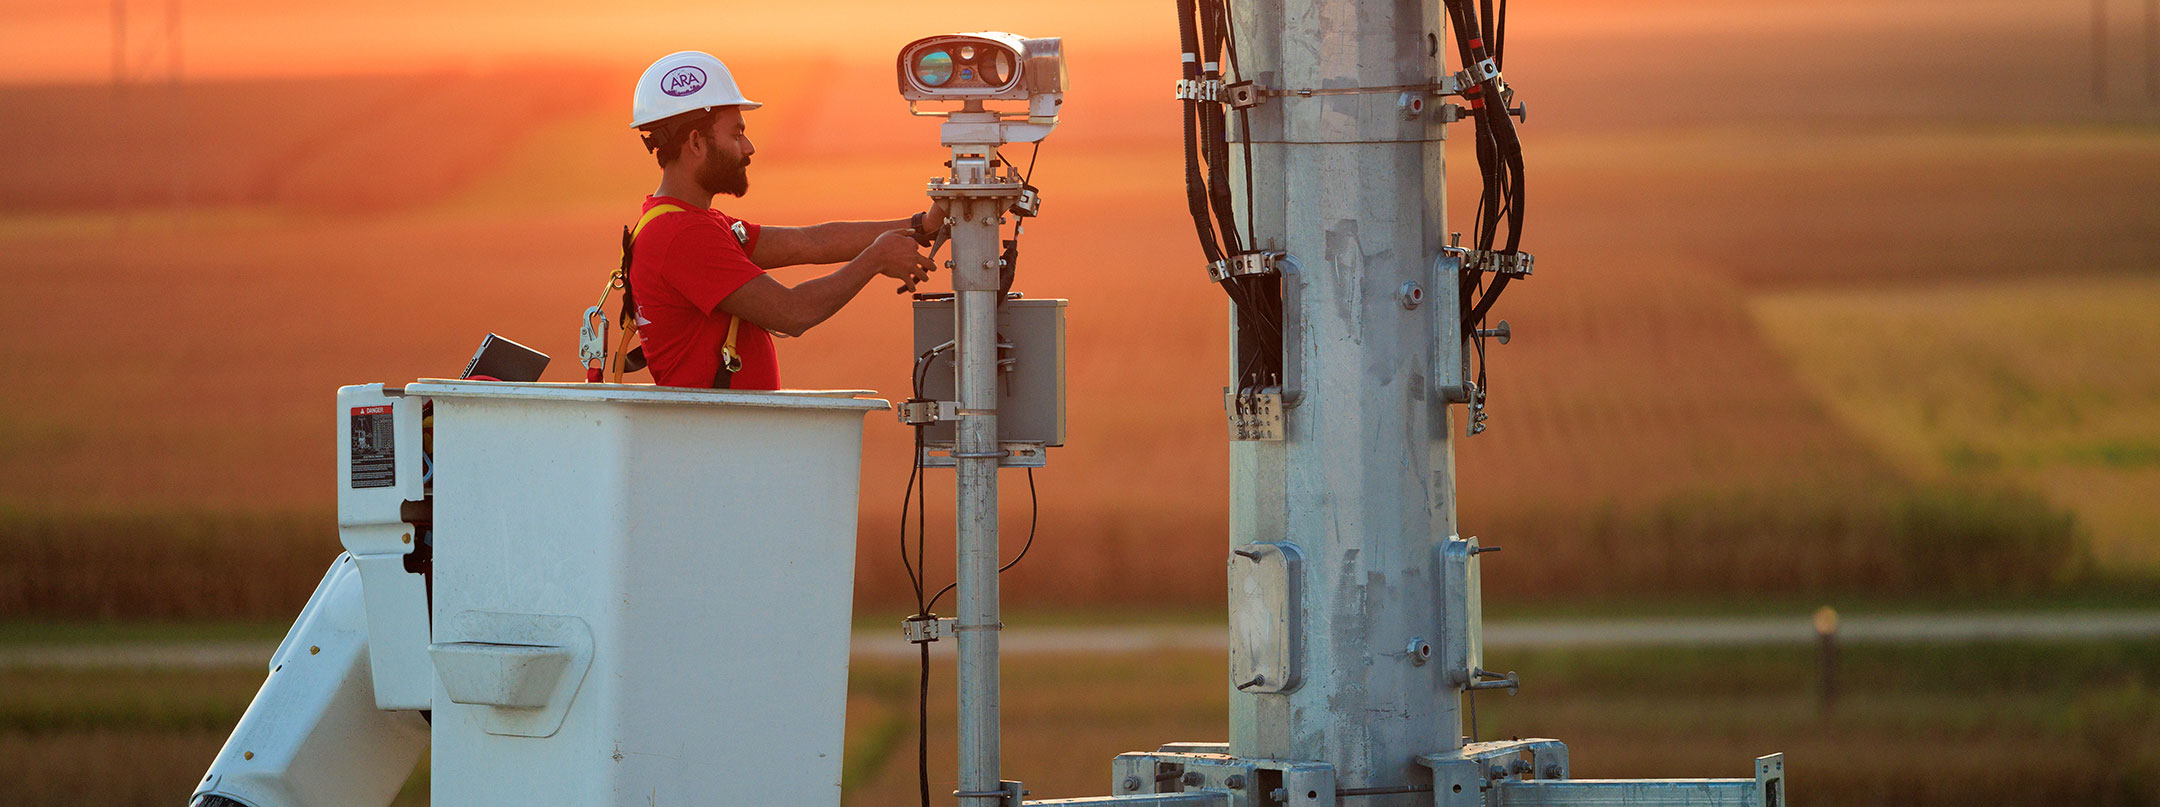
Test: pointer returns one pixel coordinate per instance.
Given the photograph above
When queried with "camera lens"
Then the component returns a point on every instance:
(999, 70)
(934, 68)
(967, 52)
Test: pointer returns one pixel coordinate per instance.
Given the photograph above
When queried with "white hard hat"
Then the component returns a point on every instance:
(688, 81)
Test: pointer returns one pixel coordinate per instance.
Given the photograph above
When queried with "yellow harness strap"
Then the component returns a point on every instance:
(729, 359)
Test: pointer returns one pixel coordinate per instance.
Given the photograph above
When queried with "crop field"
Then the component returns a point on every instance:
(2048, 383)
(1918, 725)
(1653, 427)
(1838, 300)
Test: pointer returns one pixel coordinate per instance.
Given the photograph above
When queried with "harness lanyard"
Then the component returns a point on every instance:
(730, 360)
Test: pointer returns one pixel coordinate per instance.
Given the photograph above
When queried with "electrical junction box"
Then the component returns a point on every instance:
(1031, 377)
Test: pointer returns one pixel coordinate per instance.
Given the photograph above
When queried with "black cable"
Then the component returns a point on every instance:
(906, 501)
(1486, 17)
(922, 728)
(1499, 43)
(1214, 124)
(1244, 127)
(1195, 185)
(919, 481)
(1499, 155)
(1034, 510)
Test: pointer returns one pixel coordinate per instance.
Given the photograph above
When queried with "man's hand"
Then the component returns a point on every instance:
(894, 255)
(934, 218)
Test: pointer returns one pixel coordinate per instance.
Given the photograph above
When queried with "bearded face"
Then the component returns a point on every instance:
(724, 171)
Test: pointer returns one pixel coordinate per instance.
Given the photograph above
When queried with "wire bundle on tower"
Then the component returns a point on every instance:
(1499, 158)
(1205, 31)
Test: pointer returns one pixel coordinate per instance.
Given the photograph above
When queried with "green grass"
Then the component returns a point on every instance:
(2053, 385)
(1965, 724)
(23, 633)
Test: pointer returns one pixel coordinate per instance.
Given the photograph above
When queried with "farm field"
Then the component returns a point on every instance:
(2047, 382)
(1966, 715)
(1645, 436)
(1845, 301)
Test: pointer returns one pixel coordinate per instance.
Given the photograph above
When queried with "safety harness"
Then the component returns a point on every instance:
(629, 354)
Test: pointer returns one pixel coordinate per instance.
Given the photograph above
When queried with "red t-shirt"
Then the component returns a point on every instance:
(682, 266)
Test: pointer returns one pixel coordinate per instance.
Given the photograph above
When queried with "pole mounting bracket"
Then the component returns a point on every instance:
(1249, 264)
(1499, 262)
(927, 628)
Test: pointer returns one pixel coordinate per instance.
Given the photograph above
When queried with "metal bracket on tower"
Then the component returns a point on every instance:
(1477, 770)
(928, 628)
(1008, 455)
(1255, 414)
(1206, 774)
(1512, 264)
(1481, 72)
(1196, 89)
(1250, 264)
(924, 413)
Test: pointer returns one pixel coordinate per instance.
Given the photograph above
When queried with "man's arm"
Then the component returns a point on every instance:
(793, 310)
(831, 242)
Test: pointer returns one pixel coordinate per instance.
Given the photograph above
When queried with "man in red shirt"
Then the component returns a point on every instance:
(696, 271)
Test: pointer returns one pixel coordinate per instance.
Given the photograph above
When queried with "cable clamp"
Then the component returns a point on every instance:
(1199, 89)
(927, 628)
(1487, 70)
(1245, 94)
(1248, 264)
(1511, 264)
(923, 412)
(1256, 414)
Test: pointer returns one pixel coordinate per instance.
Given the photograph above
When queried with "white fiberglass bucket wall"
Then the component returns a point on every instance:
(642, 595)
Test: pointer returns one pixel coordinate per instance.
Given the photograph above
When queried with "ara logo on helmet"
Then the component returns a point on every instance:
(682, 81)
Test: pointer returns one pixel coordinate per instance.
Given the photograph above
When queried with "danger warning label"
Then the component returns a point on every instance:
(374, 447)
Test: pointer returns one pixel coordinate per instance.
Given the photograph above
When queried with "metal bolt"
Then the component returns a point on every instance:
(1412, 294)
(1192, 779)
(1550, 772)
(1257, 680)
(1411, 105)
(1501, 332)
(1235, 781)
(1496, 772)
(1420, 652)
(1130, 785)
(1279, 795)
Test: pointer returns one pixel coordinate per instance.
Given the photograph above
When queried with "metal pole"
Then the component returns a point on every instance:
(977, 202)
(1351, 188)
(1826, 627)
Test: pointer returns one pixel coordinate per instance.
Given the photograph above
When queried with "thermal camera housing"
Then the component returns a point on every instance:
(985, 66)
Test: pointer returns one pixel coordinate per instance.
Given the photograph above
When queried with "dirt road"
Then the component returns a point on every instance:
(1552, 634)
